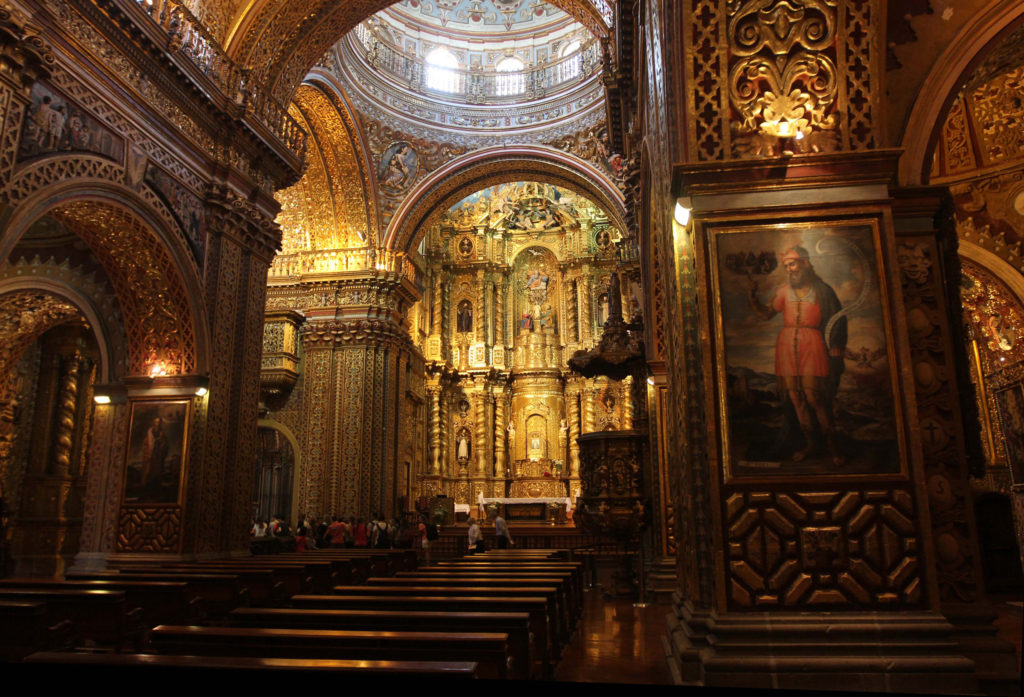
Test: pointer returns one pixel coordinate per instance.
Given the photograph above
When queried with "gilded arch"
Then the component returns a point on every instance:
(150, 267)
(425, 203)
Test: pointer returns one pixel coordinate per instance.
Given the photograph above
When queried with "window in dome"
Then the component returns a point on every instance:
(569, 67)
(442, 67)
(511, 79)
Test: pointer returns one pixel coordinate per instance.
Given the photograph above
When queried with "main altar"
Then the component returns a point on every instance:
(518, 280)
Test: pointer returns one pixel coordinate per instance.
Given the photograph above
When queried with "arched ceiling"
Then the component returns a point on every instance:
(331, 206)
(280, 40)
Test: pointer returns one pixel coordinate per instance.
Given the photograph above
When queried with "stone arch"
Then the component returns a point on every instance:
(150, 268)
(982, 31)
(446, 186)
(289, 435)
(103, 317)
(281, 40)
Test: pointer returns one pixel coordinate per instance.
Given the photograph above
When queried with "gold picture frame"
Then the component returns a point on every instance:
(158, 440)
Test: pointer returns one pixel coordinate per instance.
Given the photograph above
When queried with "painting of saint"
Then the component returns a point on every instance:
(807, 373)
(398, 167)
(156, 448)
(465, 247)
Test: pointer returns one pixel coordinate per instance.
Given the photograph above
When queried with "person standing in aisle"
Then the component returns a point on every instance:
(501, 532)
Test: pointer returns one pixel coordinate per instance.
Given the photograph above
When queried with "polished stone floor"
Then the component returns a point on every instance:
(617, 643)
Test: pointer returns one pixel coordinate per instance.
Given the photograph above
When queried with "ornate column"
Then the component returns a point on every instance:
(67, 403)
(585, 304)
(481, 430)
(588, 395)
(498, 396)
(572, 398)
(500, 320)
(241, 241)
(356, 352)
(434, 443)
(572, 311)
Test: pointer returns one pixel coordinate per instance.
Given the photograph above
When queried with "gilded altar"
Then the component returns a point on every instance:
(533, 479)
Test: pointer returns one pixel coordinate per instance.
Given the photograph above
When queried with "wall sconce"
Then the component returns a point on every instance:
(202, 391)
(108, 394)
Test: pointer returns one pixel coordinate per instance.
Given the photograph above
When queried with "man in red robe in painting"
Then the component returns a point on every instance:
(807, 363)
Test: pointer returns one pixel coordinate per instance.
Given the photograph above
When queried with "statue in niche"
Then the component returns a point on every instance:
(546, 319)
(526, 322)
(464, 318)
(462, 445)
(602, 309)
(465, 246)
(463, 407)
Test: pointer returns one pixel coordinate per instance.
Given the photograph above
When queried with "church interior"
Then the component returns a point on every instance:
(732, 291)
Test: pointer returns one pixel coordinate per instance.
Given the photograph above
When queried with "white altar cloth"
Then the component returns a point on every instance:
(566, 501)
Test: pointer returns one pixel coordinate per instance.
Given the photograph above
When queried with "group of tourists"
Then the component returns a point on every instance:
(501, 535)
(338, 531)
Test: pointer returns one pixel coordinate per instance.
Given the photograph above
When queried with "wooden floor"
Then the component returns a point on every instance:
(617, 643)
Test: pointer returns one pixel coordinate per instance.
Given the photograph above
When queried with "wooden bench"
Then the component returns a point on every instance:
(162, 602)
(556, 609)
(377, 670)
(551, 575)
(263, 586)
(25, 628)
(221, 593)
(562, 600)
(515, 624)
(536, 608)
(481, 565)
(488, 649)
(100, 616)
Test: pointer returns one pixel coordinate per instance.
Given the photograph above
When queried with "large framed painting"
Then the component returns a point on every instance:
(157, 443)
(806, 362)
(1010, 405)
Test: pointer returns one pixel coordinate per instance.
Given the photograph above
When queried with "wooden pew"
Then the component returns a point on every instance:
(552, 575)
(556, 610)
(483, 565)
(221, 593)
(100, 616)
(488, 649)
(515, 624)
(537, 608)
(293, 578)
(162, 602)
(262, 586)
(25, 628)
(563, 599)
(377, 670)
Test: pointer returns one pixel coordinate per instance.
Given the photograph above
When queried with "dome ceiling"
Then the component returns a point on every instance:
(481, 16)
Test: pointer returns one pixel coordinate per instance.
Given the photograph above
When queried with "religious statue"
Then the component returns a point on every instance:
(462, 445)
(464, 319)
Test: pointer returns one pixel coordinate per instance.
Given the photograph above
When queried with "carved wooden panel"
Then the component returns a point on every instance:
(819, 549)
(149, 529)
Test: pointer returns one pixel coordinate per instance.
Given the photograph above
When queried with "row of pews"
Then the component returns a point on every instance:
(506, 614)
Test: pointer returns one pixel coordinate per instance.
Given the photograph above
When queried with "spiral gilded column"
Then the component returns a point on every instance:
(435, 431)
(499, 434)
(67, 402)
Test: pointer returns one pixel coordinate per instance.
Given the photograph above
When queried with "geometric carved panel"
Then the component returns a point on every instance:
(850, 549)
(149, 529)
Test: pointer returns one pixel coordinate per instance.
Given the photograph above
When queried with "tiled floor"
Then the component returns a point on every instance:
(617, 643)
